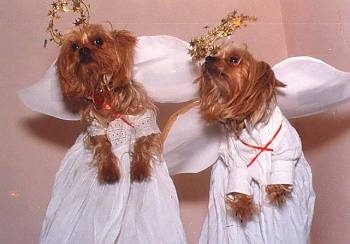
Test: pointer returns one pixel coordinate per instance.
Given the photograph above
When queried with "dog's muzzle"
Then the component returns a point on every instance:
(209, 64)
(210, 59)
(84, 55)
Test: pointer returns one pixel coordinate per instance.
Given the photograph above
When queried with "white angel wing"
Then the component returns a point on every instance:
(45, 97)
(312, 87)
(191, 145)
(161, 64)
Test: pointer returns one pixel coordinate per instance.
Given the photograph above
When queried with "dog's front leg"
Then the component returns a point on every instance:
(105, 159)
(278, 193)
(240, 205)
(146, 148)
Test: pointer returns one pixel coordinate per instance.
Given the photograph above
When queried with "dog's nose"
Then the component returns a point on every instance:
(84, 55)
(210, 59)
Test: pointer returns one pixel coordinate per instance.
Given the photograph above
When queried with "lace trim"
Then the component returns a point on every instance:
(118, 133)
(146, 125)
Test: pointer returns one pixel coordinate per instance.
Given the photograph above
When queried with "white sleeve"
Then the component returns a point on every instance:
(240, 178)
(239, 181)
(286, 152)
(146, 124)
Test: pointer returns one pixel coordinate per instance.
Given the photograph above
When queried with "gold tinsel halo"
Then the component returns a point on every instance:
(203, 46)
(63, 6)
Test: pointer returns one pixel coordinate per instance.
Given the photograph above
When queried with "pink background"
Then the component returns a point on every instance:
(32, 145)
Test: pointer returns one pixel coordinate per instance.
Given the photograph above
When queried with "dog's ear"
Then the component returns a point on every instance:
(266, 75)
(125, 43)
(124, 38)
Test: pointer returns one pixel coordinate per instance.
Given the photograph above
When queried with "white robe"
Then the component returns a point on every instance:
(82, 210)
(289, 224)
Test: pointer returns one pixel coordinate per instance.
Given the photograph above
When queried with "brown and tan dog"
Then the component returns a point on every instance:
(237, 91)
(94, 67)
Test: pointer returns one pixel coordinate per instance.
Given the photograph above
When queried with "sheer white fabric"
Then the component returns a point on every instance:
(82, 210)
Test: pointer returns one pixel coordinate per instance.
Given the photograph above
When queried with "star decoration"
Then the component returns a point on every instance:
(203, 46)
(64, 6)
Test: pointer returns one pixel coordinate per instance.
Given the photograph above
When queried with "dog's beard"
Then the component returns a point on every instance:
(99, 65)
(217, 93)
(88, 78)
(225, 99)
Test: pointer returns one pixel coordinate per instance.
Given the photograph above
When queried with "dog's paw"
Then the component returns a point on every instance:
(241, 206)
(108, 170)
(140, 172)
(278, 193)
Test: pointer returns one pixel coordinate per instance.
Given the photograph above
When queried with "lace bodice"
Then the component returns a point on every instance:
(126, 129)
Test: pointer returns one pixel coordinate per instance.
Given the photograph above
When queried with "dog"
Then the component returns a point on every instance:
(94, 67)
(239, 92)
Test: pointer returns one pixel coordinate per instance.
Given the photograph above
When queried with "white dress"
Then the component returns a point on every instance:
(82, 210)
(280, 162)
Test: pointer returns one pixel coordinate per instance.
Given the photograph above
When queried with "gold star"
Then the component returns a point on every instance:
(237, 22)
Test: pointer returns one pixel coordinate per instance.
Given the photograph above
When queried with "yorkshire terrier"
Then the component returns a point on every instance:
(94, 67)
(237, 91)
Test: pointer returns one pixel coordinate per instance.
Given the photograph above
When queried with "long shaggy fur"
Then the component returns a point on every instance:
(144, 150)
(236, 90)
(239, 92)
(95, 67)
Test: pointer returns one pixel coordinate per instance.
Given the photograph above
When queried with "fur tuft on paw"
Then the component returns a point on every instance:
(278, 193)
(241, 206)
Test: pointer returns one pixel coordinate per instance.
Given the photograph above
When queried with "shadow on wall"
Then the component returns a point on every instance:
(53, 130)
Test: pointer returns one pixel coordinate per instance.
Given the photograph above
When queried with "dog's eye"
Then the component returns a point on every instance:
(75, 47)
(98, 42)
(234, 60)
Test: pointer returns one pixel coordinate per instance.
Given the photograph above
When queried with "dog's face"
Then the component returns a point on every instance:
(91, 56)
(234, 87)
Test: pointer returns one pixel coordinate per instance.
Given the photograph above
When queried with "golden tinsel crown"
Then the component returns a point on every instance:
(203, 46)
(63, 6)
